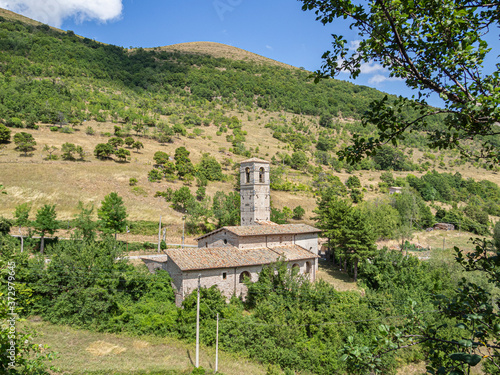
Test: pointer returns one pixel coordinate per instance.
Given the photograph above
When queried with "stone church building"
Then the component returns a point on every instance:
(228, 255)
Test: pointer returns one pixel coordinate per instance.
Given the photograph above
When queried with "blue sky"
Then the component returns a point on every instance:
(277, 29)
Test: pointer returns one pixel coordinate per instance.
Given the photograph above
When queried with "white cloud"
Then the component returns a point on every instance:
(53, 12)
(368, 68)
(379, 78)
(269, 47)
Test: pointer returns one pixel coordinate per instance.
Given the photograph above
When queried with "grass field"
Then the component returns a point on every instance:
(81, 352)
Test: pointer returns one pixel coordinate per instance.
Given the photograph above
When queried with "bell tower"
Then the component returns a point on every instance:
(255, 191)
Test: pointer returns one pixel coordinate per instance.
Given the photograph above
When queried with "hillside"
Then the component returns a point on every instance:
(209, 98)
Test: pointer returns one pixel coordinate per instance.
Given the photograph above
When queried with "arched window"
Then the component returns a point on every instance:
(295, 268)
(261, 175)
(308, 267)
(247, 174)
(243, 275)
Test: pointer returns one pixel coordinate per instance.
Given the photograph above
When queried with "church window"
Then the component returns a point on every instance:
(295, 268)
(261, 175)
(225, 241)
(224, 275)
(247, 174)
(244, 275)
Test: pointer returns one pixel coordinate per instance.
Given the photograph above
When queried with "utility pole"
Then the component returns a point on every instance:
(217, 346)
(183, 226)
(159, 235)
(198, 324)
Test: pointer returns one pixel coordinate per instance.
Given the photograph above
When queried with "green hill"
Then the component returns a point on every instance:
(207, 97)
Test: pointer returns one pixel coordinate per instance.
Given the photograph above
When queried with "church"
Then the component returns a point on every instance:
(228, 255)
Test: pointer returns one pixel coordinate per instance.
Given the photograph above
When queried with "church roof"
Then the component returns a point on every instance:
(190, 259)
(265, 229)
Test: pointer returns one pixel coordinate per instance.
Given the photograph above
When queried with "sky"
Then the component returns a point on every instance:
(277, 29)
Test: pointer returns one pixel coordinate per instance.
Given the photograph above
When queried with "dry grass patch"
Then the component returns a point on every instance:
(81, 351)
(341, 281)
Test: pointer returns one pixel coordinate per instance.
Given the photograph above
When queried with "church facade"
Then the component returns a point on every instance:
(227, 256)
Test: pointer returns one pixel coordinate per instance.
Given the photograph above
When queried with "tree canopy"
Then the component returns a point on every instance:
(436, 47)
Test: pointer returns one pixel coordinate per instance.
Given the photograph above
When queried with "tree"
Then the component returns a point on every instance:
(122, 154)
(353, 182)
(4, 134)
(21, 214)
(50, 150)
(129, 141)
(68, 149)
(112, 214)
(182, 199)
(103, 150)
(209, 168)
(183, 164)
(24, 142)
(115, 142)
(438, 48)
(45, 223)
(299, 160)
(496, 236)
(85, 226)
(358, 238)
(226, 209)
(137, 145)
(160, 157)
(298, 213)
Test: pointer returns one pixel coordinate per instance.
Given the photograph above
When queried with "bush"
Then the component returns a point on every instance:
(4, 134)
(298, 213)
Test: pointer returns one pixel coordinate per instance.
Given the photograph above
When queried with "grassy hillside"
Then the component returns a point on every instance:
(207, 97)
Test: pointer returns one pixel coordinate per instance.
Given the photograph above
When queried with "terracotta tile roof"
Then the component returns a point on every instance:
(259, 230)
(228, 257)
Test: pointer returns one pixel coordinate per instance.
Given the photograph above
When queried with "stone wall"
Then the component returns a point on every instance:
(219, 239)
(229, 285)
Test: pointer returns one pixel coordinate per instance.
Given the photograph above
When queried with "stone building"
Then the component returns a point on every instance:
(226, 256)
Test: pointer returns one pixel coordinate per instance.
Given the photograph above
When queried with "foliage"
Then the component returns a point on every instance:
(112, 214)
(84, 225)
(20, 354)
(390, 158)
(209, 168)
(46, 222)
(122, 154)
(4, 134)
(5, 225)
(298, 213)
(353, 182)
(183, 164)
(420, 54)
(160, 157)
(24, 142)
(69, 148)
(182, 199)
(103, 150)
(496, 235)
(226, 208)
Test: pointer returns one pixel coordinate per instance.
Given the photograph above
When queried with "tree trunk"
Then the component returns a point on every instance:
(333, 256)
(345, 264)
(42, 243)
(355, 269)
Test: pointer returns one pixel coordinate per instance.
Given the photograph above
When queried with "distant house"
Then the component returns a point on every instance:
(228, 255)
(395, 190)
